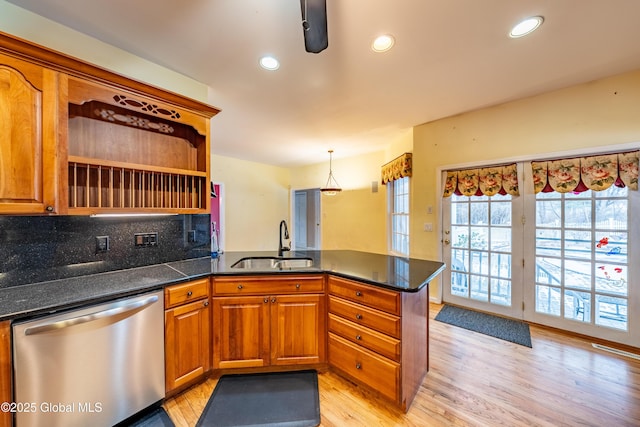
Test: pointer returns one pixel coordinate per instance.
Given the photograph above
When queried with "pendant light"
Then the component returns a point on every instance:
(331, 188)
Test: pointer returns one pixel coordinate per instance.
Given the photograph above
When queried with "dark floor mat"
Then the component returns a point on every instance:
(156, 418)
(510, 330)
(273, 399)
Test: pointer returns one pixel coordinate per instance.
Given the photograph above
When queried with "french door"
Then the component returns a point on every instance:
(557, 259)
(483, 249)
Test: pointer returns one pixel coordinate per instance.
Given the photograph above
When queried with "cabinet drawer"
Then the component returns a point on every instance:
(267, 285)
(185, 292)
(361, 315)
(365, 366)
(360, 335)
(371, 296)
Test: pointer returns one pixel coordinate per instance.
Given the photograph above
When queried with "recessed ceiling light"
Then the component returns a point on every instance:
(525, 27)
(269, 63)
(383, 43)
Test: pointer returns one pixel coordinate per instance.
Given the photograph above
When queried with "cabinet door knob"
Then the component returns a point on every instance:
(358, 293)
(358, 366)
(240, 286)
(206, 304)
(266, 300)
(359, 316)
(49, 208)
(189, 293)
(358, 337)
(297, 285)
(273, 299)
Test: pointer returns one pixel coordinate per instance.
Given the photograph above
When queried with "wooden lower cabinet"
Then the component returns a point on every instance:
(266, 330)
(240, 332)
(368, 367)
(379, 337)
(187, 342)
(298, 329)
(262, 321)
(6, 418)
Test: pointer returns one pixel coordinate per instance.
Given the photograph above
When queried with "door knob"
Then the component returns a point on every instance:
(446, 241)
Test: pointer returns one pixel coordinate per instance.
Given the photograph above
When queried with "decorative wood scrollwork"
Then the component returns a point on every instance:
(139, 122)
(145, 106)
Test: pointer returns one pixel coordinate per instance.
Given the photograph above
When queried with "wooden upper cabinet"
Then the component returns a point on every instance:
(130, 152)
(79, 139)
(28, 137)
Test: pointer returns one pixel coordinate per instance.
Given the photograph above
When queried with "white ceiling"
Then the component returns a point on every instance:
(451, 56)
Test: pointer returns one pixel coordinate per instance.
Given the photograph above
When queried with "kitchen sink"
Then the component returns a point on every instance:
(273, 263)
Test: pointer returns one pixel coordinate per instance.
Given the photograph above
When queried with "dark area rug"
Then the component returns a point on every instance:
(510, 330)
(156, 418)
(282, 399)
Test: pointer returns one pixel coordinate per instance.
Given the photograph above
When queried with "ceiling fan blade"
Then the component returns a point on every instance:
(314, 25)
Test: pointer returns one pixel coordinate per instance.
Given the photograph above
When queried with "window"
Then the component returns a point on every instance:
(399, 216)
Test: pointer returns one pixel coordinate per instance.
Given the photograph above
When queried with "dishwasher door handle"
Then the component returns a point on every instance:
(65, 323)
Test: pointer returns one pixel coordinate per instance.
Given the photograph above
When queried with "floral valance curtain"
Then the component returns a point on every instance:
(485, 181)
(586, 173)
(397, 168)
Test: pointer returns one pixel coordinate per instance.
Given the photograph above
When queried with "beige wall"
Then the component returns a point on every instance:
(583, 117)
(256, 199)
(37, 29)
(355, 218)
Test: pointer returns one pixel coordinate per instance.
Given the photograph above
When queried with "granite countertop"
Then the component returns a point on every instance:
(396, 273)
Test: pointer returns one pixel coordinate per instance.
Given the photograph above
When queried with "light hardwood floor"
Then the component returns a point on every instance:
(476, 380)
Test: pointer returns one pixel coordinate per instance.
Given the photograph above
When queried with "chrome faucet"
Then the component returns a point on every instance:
(281, 247)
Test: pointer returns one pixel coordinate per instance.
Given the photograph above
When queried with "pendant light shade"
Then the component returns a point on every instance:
(331, 188)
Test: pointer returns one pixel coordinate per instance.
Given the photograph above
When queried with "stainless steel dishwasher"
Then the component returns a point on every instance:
(91, 367)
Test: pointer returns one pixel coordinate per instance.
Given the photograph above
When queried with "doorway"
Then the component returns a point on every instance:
(306, 219)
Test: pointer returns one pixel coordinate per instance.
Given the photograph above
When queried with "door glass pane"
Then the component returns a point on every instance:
(479, 213)
(479, 288)
(501, 291)
(501, 265)
(577, 306)
(501, 239)
(611, 312)
(577, 274)
(549, 242)
(548, 300)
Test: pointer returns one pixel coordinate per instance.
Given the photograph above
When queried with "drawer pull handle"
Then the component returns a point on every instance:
(240, 286)
(358, 293)
(358, 366)
(189, 294)
(359, 316)
(297, 285)
(358, 337)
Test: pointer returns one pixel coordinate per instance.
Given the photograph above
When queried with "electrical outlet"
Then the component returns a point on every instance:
(102, 244)
(428, 226)
(146, 239)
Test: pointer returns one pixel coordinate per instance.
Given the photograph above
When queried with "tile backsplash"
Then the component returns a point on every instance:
(40, 248)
